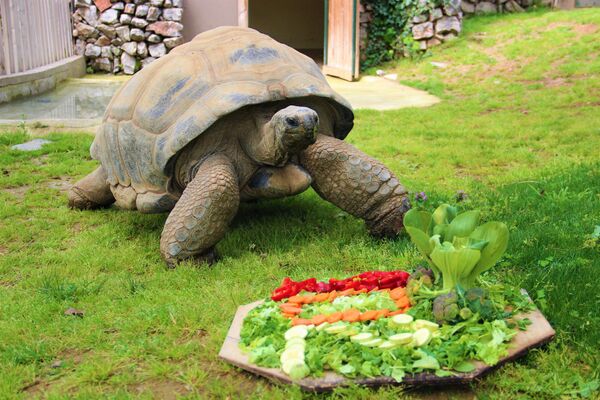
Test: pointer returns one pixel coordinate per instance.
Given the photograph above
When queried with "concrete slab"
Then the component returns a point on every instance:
(376, 93)
(32, 145)
(81, 102)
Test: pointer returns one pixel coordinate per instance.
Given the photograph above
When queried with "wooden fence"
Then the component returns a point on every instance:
(34, 33)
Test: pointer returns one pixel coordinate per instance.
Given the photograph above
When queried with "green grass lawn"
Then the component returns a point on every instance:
(518, 130)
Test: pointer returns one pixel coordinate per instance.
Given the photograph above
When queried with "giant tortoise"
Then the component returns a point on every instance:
(231, 116)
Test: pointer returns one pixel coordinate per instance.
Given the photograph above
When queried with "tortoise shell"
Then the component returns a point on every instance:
(168, 104)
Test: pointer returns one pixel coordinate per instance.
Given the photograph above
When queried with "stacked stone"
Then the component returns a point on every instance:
(124, 36)
(366, 15)
(437, 26)
(494, 6)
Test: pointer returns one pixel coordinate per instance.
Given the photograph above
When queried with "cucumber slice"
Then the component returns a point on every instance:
(421, 337)
(336, 328)
(295, 347)
(387, 345)
(298, 371)
(322, 326)
(401, 338)
(298, 331)
(289, 364)
(293, 353)
(373, 342)
(351, 331)
(402, 319)
(362, 337)
(423, 323)
(295, 342)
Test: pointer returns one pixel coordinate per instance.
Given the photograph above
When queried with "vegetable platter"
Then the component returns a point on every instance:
(438, 325)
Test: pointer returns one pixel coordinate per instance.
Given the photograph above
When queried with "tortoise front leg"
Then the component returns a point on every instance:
(201, 216)
(358, 184)
(91, 192)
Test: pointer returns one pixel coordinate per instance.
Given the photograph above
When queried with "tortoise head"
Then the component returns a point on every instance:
(289, 131)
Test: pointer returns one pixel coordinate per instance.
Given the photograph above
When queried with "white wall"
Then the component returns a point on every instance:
(202, 15)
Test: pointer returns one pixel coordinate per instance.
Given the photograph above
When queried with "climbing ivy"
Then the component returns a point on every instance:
(389, 32)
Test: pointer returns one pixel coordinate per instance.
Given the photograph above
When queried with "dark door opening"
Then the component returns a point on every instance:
(297, 23)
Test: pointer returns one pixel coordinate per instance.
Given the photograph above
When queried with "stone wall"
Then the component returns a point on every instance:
(437, 26)
(124, 36)
(494, 6)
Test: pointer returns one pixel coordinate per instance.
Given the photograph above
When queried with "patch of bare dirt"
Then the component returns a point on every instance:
(69, 356)
(18, 192)
(585, 29)
(161, 389)
(62, 184)
(40, 161)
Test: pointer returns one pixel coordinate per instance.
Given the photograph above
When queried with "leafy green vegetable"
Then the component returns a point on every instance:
(456, 248)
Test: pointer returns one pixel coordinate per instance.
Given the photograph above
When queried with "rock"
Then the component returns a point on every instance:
(436, 13)
(173, 14)
(32, 145)
(125, 19)
(154, 38)
(139, 22)
(109, 17)
(156, 3)
(106, 52)
(451, 10)
(422, 44)
(137, 35)
(102, 64)
(168, 4)
(513, 6)
(166, 28)
(485, 7)
(153, 14)
(422, 31)
(85, 30)
(173, 42)
(83, 3)
(123, 33)
(118, 6)
(433, 42)
(130, 48)
(447, 24)
(438, 64)
(74, 312)
(56, 364)
(103, 41)
(102, 4)
(157, 50)
(90, 15)
(446, 37)
(79, 47)
(91, 50)
(116, 42)
(147, 61)
(108, 31)
(391, 77)
(129, 8)
(142, 50)
(467, 8)
(177, 3)
(116, 51)
(141, 10)
(129, 63)
(418, 19)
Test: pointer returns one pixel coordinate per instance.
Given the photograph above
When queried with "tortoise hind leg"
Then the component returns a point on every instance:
(201, 216)
(91, 192)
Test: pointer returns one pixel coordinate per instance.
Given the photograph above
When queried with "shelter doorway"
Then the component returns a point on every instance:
(325, 30)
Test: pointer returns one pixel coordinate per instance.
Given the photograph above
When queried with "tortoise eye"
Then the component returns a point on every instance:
(292, 122)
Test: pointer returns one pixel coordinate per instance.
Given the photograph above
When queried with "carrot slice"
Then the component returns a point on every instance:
(300, 321)
(368, 315)
(346, 292)
(334, 317)
(361, 291)
(402, 302)
(382, 313)
(397, 293)
(400, 311)
(351, 315)
(321, 297)
(332, 295)
(308, 299)
(291, 310)
(288, 315)
(318, 319)
(296, 299)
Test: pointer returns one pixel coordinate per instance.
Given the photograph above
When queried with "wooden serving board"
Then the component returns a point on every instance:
(538, 333)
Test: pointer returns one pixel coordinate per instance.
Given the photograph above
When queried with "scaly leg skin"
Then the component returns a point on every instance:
(358, 184)
(201, 216)
(91, 192)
